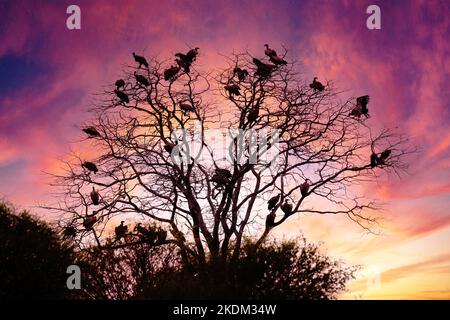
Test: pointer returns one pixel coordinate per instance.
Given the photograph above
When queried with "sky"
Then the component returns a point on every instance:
(48, 75)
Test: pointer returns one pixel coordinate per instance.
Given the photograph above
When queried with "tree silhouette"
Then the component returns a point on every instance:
(33, 260)
(285, 270)
(160, 157)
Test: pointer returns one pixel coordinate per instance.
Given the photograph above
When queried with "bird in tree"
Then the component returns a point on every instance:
(122, 96)
(169, 147)
(253, 114)
(270, 220)
(141, 79)
(316, 85)
(91, 131)
(95, 197)
(361, 105)
(277, 60)
(233, 89)
(69, 232)
(186, 107)
(273, 201)
(120, 231)
(192, 54)
(161, 236)
(145, 234)
(241, 73)
(269, 52)
(263, 70)
(383, 156)
(88, 222)
(141, 60)
(287, 207)
(90, 166)
(373, 160)
(304, 187)
(184, 65)
(120, 83)
(170, 73)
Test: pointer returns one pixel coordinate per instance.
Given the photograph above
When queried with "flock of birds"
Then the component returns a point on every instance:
(221, 177)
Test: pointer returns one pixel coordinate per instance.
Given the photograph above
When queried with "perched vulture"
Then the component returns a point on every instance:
(253, 114)
(273, 201)
(121, 230)
(270, 219)
(90, 166)
(186, 107)
(383, 156)
(287, 207)
(192, 54)
(141, 60)
(169, 147)
(120, 83)
(277, 60)
(241, 73)
(147, 235)
(304, 188)
(170, 73)
(373, 160)
(69, 232)
(183, 64)
(219, 179)
(269, 52)
(233, 89)
(141, 79)
(161, 236)
(95, 197)
(89, 222)
(91, 131)
(224, 172)
(361, 104)
(263, 69)
(122, 96)
(316, 85)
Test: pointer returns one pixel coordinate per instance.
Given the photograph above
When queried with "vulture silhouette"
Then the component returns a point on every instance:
(141, 79)
(270, 219)
(90, 166)
(383, 156)
(287, 207)
(191, 55)
(183, 64)
(241, 73)
(122, 96)
(253, 114)
(88, 222)
(69, 232)
(316, 85)
(269, 52)
(186, 107)
(273, 201)
(304, 188)
(170, 73)
(141, 60)
(95, 197)
(263, 69)
(233, 89)
(373, 160)
(361, 105)
(91, 131)
(121, 230)
(277, 60)
(120, 83)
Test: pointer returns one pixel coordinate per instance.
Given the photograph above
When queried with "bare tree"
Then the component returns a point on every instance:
(161, 158)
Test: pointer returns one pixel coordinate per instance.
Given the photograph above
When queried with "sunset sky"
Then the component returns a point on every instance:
(48, 75)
